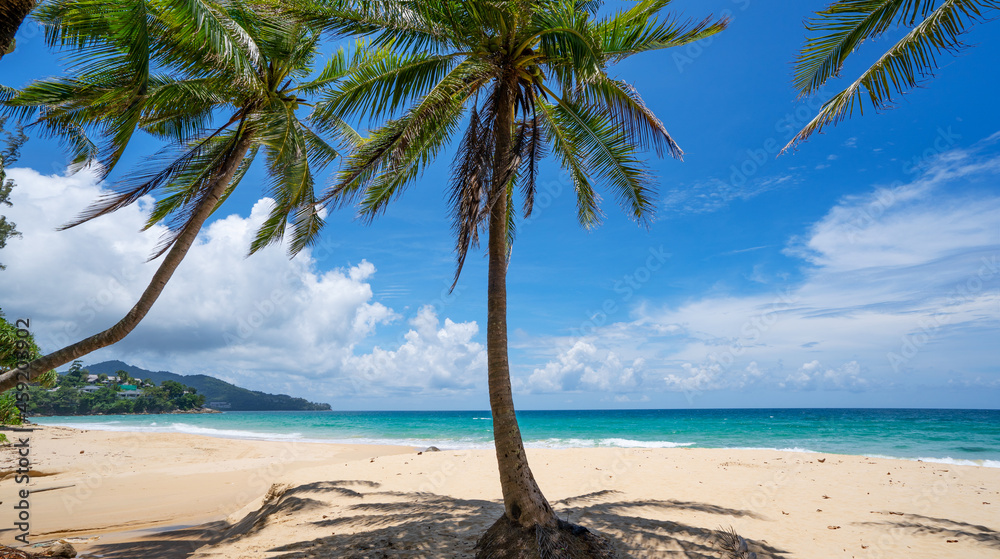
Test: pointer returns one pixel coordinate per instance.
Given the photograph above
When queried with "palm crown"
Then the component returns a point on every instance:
(532, 76)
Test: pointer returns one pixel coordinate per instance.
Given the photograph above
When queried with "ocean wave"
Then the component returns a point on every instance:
(792, 449)
(231, 433)
(179, 427)
(947, 460)
(597, 443)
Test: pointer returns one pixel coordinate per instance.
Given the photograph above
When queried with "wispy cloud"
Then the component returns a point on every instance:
(901, 287)
(714, 194)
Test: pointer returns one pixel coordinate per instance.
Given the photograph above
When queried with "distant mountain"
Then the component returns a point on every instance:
(214, 390)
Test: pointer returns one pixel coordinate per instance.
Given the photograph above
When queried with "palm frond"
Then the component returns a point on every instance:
(387, 22)
(166, 166)
(381, 82)
(608, 154)
(566, 149)
(899, 69)
(637, 121)
(565, 40)
(180, 110)
(638, 29)
(472, 175)
(395, 153)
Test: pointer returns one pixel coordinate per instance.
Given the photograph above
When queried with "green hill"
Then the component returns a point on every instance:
(214, 390)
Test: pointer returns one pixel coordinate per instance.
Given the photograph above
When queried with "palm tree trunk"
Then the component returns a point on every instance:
(524, 503)
(227, 170)
(12, 13)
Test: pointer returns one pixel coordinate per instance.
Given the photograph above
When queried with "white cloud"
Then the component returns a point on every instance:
(813, 376)
(584, 367)
(430, 357)
(900, 287)
(715, 194)
(265, 322)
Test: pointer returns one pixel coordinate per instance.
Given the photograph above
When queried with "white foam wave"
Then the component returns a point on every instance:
(960, 462)
(178, 427)
(792, 449)
(232, 433)
(594, 443)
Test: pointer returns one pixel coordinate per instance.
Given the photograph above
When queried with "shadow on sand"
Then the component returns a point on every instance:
(368, 524)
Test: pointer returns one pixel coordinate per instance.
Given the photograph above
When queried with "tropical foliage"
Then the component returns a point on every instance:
(9, 153)
(933, 27)
(219, 83)
(15, 346)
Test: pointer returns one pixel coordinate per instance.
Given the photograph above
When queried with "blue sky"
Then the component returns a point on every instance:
(859, 270)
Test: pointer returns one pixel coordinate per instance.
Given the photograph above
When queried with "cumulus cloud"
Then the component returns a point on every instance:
(443, 358)
(814, 376)
(584, 367)
(265, 322)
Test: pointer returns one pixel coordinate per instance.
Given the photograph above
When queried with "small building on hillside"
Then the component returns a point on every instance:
(129, 391)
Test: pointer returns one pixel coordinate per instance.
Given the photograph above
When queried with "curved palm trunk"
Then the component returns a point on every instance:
(523, 500)
(11, 378)
(12, 13)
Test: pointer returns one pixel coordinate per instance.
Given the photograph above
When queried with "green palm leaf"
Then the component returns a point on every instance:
(848, 23)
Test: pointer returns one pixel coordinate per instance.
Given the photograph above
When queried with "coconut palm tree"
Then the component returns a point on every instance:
(220, 83)
(12, 13)
(529, 76)
(935, 27)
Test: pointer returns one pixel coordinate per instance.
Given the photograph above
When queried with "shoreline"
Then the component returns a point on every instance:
(126, 488)
(447, 444)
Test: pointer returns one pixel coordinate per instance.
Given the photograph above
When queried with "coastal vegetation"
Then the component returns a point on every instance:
(219, 394)
(16, 345)
(10, 149)
(221, 82)
(75, 393)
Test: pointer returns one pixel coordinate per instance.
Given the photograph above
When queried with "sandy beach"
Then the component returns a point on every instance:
(127, 495)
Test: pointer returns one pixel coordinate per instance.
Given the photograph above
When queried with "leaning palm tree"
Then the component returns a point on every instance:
(935, 27)
(220, 82)
(529, 76)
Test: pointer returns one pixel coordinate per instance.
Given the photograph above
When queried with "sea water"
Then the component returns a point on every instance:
(969, 437)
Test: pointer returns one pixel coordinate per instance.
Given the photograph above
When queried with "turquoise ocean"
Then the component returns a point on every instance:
(970, 437)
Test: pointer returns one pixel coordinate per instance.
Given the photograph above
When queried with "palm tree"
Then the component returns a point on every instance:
(177, 71)
(12, 13)
(530, 75)
(934, 28)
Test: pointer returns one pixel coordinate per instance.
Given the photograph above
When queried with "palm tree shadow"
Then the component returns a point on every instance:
(427, 525)
(172, 544)
(365, 523)
(928, 525)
